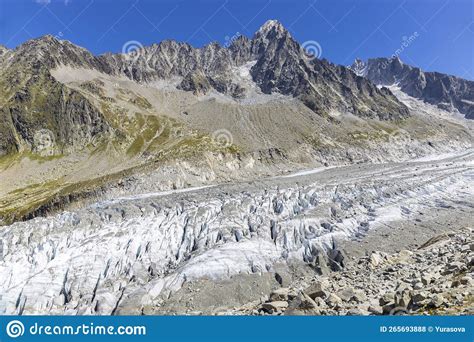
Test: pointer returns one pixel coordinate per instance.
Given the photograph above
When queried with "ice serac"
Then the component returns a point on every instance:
(128, 255)
(446, 91)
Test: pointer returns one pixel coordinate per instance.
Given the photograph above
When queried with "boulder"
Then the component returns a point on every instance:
(359, 296)
(388, 297)
(418, 286)
(320, 302)
(375, 259)
(402, 298)
(357, 312)
(302, 303)
(306, 303)
(467, 280)
(426, 279)
(419, 298)
(402, 286)
(317, 289)
(437, 301)
(346, 294)
(272, 307)
(333, 300)
(375, 309)
(280, 294)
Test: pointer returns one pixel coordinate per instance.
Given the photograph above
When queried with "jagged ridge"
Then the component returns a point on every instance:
(446, 91)
(281, 67)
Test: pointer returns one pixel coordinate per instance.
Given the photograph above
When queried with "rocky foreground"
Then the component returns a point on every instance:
(436, 279)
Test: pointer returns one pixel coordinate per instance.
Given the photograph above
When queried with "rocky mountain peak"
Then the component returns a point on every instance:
(49, 52)
(3, 49)
(281, 66)
(445, 91)
(358, 67)
(271, 32)
(271, 26)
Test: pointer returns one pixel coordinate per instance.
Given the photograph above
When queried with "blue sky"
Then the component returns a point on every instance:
(344, 29)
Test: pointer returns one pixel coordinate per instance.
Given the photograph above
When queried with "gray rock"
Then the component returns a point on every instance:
(437, 301)
(375, 259)
(402, 299)
(388, 308)
(317, 289)
(280, 294)
(466, 280)
(346, 294)
(446, 91)
(376, 310)
(357, 312)
(333, 300)
(426, 279)
(388, 297)
(276, 306)
(302, 302)
(359, 296)
(419, 297)
(418, 286)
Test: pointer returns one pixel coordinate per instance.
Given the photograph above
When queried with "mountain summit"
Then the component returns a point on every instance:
(445, 91)
(276, 63)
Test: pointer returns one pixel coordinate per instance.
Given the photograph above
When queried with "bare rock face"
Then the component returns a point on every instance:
(283, 66)
(33, 102)
(446, 91)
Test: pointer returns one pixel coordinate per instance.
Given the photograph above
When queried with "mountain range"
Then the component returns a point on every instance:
(72, 122)
(445, 91)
